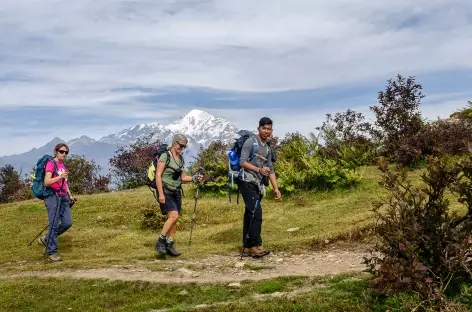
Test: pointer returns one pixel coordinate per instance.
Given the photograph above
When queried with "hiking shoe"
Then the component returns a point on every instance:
(54, 258)
(265, 252)
(161, 246)
(42, 241)
(171, 250)
(253, 252)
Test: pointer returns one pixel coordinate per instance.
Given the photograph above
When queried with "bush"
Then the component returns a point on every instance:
(301, 167)
(446, 137)
(348, 139)
(214, 162)
(12, 188)
(83, 176)
(441, 137)
(465, 113)
(422, 246)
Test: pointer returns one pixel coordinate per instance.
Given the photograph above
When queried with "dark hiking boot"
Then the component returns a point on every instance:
(161, 246)
(171, 250)
(54, 258)
(253, 252)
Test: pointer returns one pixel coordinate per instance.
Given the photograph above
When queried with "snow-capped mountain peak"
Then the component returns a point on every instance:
(202, 127)
(84, 140)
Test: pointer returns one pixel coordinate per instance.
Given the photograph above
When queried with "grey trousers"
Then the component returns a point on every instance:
(58, 210)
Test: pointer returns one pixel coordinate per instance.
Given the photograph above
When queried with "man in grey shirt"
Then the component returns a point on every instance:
(254, 176)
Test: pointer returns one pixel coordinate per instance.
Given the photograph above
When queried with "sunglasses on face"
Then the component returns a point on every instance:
(182, 146)
(63, 152)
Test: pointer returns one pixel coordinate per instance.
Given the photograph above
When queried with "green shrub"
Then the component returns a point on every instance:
(214, 162)
(302, 167)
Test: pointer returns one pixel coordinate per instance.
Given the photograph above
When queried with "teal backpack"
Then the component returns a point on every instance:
(40, 191)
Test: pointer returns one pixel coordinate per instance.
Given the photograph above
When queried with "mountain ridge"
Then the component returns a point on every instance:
(200, 127)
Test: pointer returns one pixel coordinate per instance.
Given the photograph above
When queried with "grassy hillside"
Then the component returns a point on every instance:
(107, 232)
(107, 227)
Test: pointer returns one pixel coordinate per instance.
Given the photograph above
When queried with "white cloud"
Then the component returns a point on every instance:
(77, 54)
(73, 53)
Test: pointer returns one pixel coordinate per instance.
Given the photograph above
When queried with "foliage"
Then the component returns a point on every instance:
(348, 139)
(301, 167)
(422, 246)
(465, 113)
(398, 118)
(348, 126)
(83, 176)
(12, 188)
(441, 137)
(446, 137)
(214, 162)
(130, 163)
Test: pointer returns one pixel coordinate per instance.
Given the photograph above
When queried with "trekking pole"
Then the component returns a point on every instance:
(199, 171)
(47, 227)
(38, 235)
(249, 227)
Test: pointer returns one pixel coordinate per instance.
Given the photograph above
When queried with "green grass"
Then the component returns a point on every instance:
(107, 230)
(107, 227)
(343, 293)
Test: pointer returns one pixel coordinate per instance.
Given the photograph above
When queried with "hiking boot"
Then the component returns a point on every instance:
(171, 250)
(253, 252)
(161, 246)
(42, 241)
(265, 252)
(54, 258)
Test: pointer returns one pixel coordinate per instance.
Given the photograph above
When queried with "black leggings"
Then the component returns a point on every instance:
(251, 195)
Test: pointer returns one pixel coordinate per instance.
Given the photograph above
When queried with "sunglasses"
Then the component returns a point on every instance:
(63, 152)
(182, 145)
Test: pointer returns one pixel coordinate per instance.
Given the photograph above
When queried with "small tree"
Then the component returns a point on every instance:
(130, 163)
(348, 138)
(10, 183)
(84, 177)
(398, 119)
(422, 246)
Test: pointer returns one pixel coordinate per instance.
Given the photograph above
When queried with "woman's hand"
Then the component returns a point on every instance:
(162, 199)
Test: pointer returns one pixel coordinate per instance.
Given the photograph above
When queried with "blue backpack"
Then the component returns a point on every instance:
(40, 191)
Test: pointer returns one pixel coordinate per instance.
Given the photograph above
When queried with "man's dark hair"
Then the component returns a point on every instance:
(265, 121)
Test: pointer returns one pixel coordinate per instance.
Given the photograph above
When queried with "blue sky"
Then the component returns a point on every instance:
(94, 68)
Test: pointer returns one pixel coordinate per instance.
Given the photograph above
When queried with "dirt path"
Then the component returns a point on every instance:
(225, 269)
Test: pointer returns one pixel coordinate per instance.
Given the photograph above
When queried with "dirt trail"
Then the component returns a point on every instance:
(224, 269)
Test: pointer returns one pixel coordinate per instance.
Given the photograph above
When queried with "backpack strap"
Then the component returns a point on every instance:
(255, 145)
